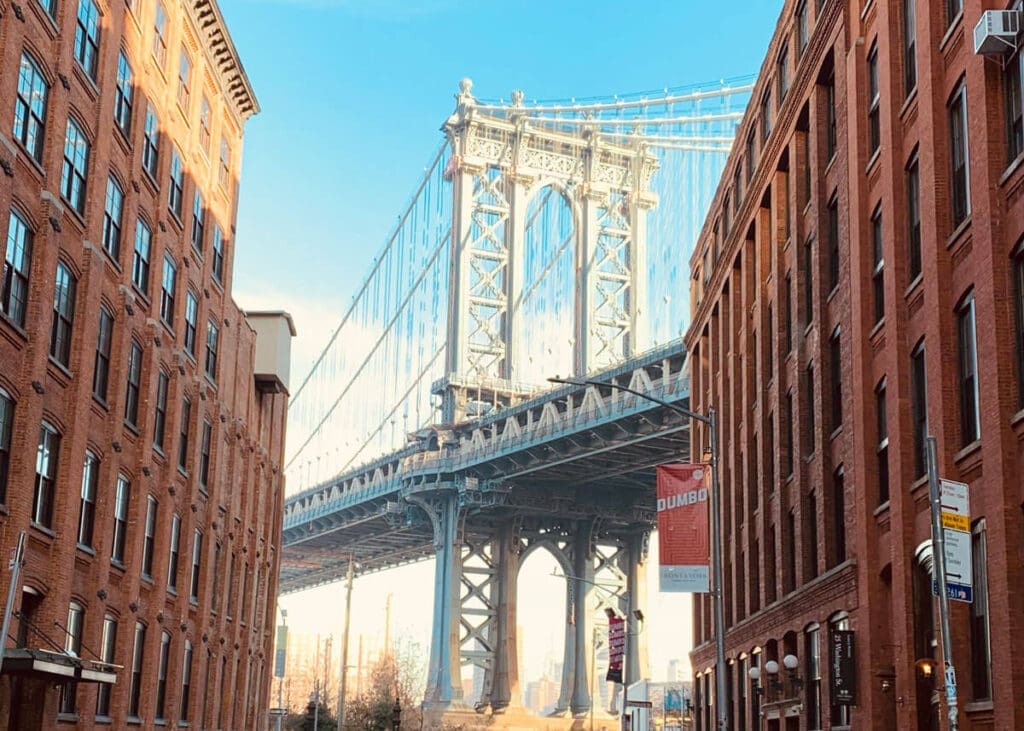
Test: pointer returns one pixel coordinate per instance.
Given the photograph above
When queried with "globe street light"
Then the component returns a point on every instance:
(716, 538)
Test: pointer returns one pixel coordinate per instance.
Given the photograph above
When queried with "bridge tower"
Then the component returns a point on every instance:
(500, 163)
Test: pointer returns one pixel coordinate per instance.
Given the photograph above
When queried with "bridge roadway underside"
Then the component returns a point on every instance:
(606, 474)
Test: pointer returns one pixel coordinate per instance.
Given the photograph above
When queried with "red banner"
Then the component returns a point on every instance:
(683, 528)
(616, 648)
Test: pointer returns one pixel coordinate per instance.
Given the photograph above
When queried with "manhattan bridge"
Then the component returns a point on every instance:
(543, 239)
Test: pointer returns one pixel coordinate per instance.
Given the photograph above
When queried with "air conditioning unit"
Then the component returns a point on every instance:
(996, 32)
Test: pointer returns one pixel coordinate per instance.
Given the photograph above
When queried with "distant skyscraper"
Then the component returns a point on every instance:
(673, 674)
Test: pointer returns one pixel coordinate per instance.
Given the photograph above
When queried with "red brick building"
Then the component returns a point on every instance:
(859, 284)
(142, 413)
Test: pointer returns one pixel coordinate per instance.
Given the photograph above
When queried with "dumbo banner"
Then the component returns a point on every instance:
(683, 528)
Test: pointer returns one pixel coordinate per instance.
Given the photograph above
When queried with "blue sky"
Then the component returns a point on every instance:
(353, 94)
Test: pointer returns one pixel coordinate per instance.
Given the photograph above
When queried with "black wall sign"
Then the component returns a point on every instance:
(844, 667)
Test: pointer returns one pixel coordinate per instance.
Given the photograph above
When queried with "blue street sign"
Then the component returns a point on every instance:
(958, 592)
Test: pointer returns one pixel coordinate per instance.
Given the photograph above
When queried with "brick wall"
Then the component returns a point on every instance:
(239, 511)
(747, 374)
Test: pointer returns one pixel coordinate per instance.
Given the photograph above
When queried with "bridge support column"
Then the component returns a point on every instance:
(444, 682)
(505, 691)
(582, 615)
(634, 565)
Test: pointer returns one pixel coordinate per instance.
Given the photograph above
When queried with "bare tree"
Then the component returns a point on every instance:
(396, 675)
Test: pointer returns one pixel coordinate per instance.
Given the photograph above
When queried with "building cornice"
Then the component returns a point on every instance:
(226, 63)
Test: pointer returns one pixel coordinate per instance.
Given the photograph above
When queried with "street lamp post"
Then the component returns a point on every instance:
(711, 421)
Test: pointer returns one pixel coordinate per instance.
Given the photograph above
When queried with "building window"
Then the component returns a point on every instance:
(914, 219)
(73, 647)
(6, 429)
(737, 186)
(123, 95)
(186, 680)
(197, 555)
(186, 415)
(218, 254)
(812, 653)
(809, 281)
(770, 343)
(230, 585)
(782, 72)
(1018, 296)
(75, 168)
(151, 144)
(953, 10)
(87, 36)
(17, 267)
(878, 265)
(212, 340)
(174, 194)
(87, 503)
(919, 407)
(161, 676)
(224, 171)
(812, 533)
(802, 28)
(909, 47)
(149, 536)
(63, 315)
(882, 450)
(830, 116)
(30, 107)
(131, 402)
(960, 185)
(160, 416)
(833, 243)
(108, 644)
(184, 80)
(140, 259)
(46, 475)
(751, 155)
(836, 377)
(967, 342)
(198, 222)
(135, 683)
(789, 546)
(113, 207)
(1012, 82)
(788, 416)
(839, 515)
(160, 35)
(167, 289)
(121, 501)
(874, 97)
(766, 116)
(191, 315)
(809, 427)
(204, 125)
(172, 561)
(981, 645)
(787, 309)
(204, 456)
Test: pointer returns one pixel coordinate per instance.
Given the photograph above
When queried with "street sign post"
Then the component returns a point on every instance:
(956, 533)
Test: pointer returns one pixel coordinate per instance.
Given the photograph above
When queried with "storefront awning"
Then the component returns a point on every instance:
(57, 667)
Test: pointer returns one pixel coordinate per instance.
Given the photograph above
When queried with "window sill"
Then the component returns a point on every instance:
(87, 81)
(917, 484)
(909, 101)
(131, 427)
(48, 532)
(147, 580)
(150, 180)
(959, 231)
(984, 706)
(881, 509)
(183, 724)
(133, 721)
(142, 295)
(876, 328)
(1011, 169)
(967, 451)
(873, 160)
(159, 721)
(914, 285)
(117, 564)
(18, 330)
(183, 472)
(104, 720)
(60, 367)
(111, 258)
(67, 718)
(835, 433)
(832, 295)
(1017, 418)
(51, 25)
(101, 402)
(172, 591)
(954, 25)
(86, 549)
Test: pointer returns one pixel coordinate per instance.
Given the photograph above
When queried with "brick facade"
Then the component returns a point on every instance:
(228, 488)
(825, 503)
